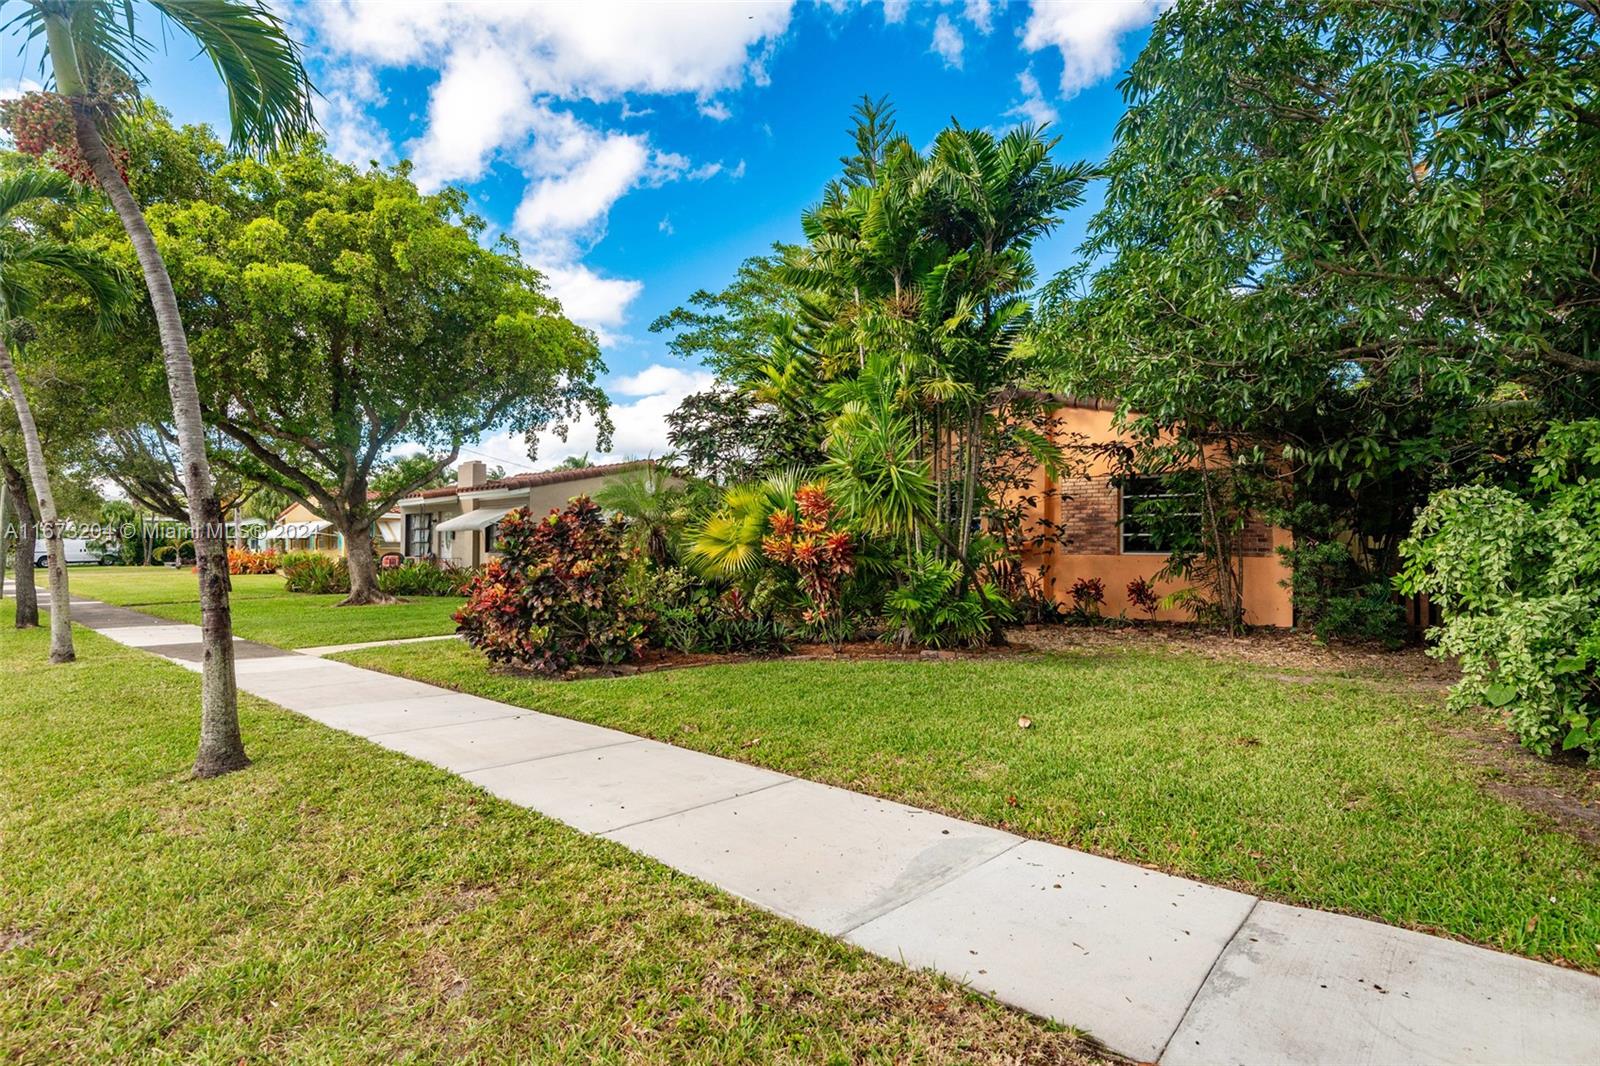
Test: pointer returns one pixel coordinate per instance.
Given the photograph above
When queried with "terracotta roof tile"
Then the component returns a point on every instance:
(542, 477)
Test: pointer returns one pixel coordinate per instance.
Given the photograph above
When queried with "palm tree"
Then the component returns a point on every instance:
(93, 45)
(24, 257)
(656, 511)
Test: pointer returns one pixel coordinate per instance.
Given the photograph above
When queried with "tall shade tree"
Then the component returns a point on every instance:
(95, 53)
(339, 316)
(1365, 234)
(29, 261)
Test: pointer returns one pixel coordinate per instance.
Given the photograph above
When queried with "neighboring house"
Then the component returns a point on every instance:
(1097, 514)
(299, 528)
(456, 523)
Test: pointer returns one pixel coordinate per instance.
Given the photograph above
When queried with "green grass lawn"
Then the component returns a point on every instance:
(336, 902)
(263, 611)
(1326, 791)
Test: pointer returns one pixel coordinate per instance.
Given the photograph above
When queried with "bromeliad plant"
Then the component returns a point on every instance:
(557, 597)
(815, 545)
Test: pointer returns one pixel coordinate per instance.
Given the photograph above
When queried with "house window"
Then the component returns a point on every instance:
(1159, 515)
(491, 537)
(419, 535)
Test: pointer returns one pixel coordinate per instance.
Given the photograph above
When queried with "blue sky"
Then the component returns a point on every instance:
(639, 151)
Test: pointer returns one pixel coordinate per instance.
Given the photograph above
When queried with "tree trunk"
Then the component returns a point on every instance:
(22, 503)
(60, 600)
(363, 568)
(221, 747)
(969, 493)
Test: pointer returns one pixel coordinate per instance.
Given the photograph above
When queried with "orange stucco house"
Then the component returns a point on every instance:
(1092, 508)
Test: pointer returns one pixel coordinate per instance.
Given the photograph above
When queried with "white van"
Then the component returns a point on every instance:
(78, 551)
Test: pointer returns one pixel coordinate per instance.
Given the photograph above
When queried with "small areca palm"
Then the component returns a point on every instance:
(656, 510)
(94, 44)
(28, 262)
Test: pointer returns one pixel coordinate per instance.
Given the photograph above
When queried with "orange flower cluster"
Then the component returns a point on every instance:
(822, 555)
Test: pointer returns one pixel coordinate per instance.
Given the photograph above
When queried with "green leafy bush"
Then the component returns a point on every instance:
(556, 598)
(1335, 598)
(419, 577)
(1517, 577)
(928, 607)
(186, 551)
(314, 572)
(690, 616)
(164, 553)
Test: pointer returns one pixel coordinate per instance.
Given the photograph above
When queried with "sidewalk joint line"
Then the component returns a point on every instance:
(1255, 901)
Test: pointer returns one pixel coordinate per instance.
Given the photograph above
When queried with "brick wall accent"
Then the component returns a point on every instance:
(1090, 512)
(1256, 536)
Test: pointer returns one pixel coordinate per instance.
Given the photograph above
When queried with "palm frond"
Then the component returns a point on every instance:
(108, 287)
(35, 183)
(269, 94)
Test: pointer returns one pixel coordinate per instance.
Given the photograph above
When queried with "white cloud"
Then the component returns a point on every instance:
(641, 421)
(589, 298)
(354, 133)
(570, 201)
(1088, 35)
(596, 50)
(665, 225)
(21, 88)
(1034, 107)
(659, 378)
(716, 110)
(981, 14)
(737, 172)
(505, 68)
(894, 11)
(480, 103)
(947, 41)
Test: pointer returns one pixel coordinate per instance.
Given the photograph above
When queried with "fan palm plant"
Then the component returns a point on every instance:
(27, 261)
(727, 544)
(94, 52)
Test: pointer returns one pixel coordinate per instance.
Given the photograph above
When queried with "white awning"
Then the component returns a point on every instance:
(482, 518)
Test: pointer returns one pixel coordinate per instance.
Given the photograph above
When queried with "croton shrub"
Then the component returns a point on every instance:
(557, 596)
(248, 561)
(814, 544)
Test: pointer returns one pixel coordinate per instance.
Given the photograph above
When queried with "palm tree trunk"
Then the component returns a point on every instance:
(27, 594)
(221, 747)
(60, 600)
(969, 487)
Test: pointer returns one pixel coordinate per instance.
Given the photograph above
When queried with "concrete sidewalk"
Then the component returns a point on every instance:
(1157, 967)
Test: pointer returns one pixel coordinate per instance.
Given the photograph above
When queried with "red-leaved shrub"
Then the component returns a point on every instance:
(1143, 595)
(821, 554)
(246, 561)
(556, 597)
